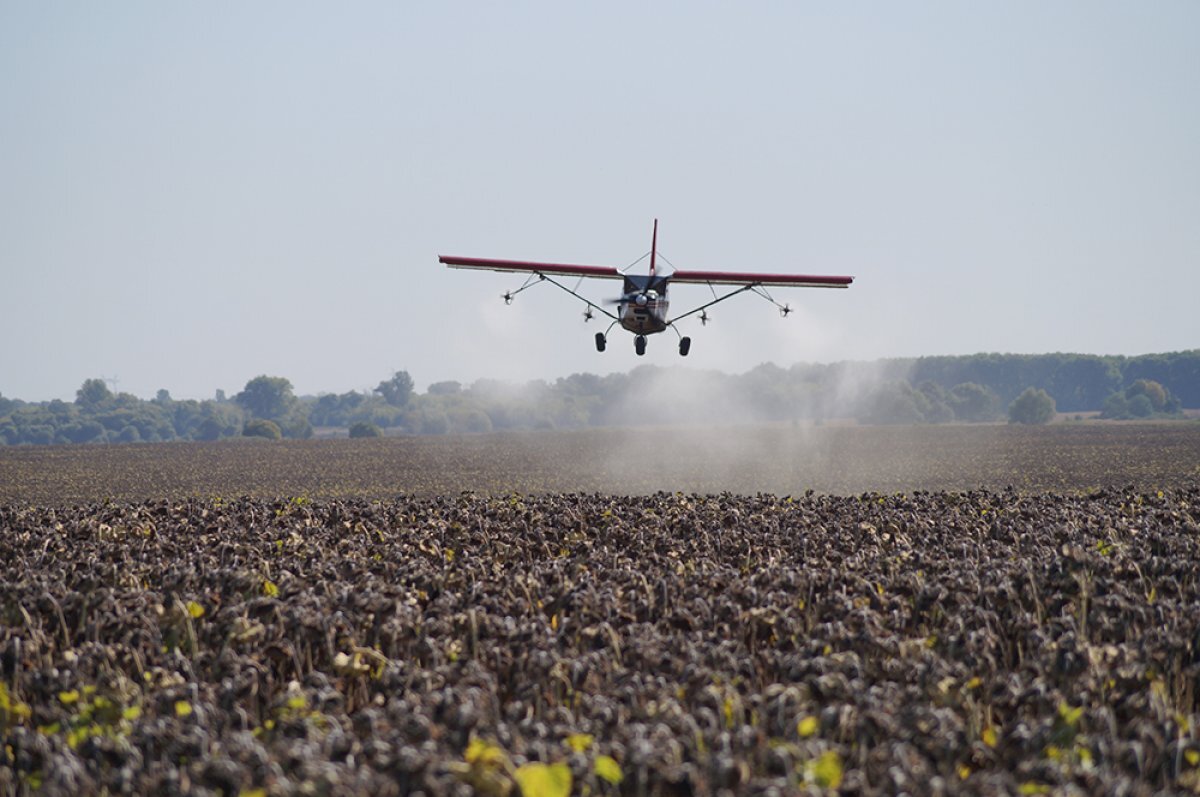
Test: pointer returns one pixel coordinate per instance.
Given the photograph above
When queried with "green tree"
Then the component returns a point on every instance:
(260, 427)
(93, 394)
(974, 402)
(218, 420)
(267, 397)
(1141, 406)
(1116, 407)
(1154, 392)
(398, 390)
(895, 403)
(1034, 406)
(365, 429)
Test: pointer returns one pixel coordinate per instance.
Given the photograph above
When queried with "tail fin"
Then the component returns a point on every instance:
(653, 247)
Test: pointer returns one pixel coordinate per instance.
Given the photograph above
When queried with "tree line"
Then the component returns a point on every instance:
(970, 389)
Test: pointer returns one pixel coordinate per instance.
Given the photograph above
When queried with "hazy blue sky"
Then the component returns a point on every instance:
(192, 194)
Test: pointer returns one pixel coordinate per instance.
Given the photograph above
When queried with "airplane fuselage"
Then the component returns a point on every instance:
(643, 308)
(644, 319)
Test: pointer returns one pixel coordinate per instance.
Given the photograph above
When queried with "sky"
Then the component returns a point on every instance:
(193, 194)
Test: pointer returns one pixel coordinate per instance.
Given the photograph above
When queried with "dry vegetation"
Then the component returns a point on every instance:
(342, 638)
(782, 460)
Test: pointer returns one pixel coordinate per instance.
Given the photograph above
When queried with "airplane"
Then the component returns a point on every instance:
(643, 307)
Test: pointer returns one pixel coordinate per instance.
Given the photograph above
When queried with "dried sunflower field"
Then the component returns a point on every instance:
(362, 625)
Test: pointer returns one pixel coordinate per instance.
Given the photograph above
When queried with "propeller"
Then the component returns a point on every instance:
(704, 319)
(640, 298)
(784, 310)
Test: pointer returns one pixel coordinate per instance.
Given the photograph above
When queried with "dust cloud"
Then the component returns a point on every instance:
(768, 430)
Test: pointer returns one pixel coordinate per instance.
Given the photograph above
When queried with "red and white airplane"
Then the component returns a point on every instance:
(643, 306)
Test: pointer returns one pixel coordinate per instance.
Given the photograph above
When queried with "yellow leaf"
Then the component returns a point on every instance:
(182, 708)
(826, 771)
(12, 706)
(195, 610)
(131, 713)
(1192, 756)
(484, 753)
(1070, 716)
(807, 726)
(69, 697)
(544, 780)
(252, 793)
(964, 772)
(989, 736)
(608, 769)
(580, 741)
(974, 683)
(1030, 787)
(270, 589)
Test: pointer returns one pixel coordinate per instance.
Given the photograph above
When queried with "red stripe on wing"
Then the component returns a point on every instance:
(490, 264)
(746, 278)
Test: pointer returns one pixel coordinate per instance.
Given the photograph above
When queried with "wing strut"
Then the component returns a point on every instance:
(529, 283)
(757, 288)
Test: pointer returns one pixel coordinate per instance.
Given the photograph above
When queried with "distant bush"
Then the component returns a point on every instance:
(365, 429)
(1034, 406)
(262, 428)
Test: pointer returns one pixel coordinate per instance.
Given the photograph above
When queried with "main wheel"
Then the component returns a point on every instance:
(639, 345)
(600, 341)
(685, 345)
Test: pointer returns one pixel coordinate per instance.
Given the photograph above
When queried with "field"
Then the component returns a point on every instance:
(957, 610)
(782, 460)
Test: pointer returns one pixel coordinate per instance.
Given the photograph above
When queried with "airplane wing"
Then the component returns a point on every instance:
(564, 269)
(770, 280)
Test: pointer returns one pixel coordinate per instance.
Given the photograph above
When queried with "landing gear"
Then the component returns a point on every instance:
(685, 345)
(601, 341)
(639, 345)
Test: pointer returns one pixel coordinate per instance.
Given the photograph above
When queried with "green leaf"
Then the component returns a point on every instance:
(544, 780)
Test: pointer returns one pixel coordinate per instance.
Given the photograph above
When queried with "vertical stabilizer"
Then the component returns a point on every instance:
(653, 247)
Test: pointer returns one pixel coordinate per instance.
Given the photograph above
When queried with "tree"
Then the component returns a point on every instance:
(260, 427)
(974, 402)
(1154, 392)
(93, 394)
(1034, 406)
(217, 421)
(398, 390)
(895, 403)
(267, 397)
(365, 429)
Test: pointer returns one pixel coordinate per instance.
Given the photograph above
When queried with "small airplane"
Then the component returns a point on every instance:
(643, 307)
